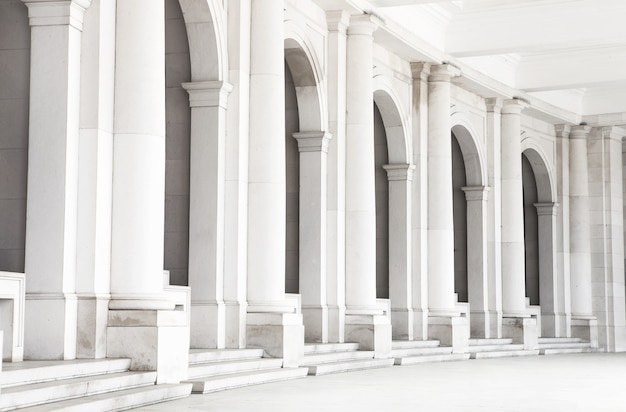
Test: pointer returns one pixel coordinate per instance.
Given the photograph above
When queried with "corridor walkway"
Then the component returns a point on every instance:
(583, 382)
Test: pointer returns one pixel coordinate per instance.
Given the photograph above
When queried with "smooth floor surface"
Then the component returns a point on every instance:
(582, 382)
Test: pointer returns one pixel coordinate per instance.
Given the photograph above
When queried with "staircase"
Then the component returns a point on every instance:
(413, 352)
(212, 370)
(554, 346)
(79, 385)
(325, 358)
(497, 348)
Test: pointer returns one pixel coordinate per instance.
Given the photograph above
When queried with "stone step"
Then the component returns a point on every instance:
(559, 340)
(318, 358)
(413, 360)
(401, 353)
(27, 372)
(52, 391)
(579, 345)
(119, 400)
(222, 368)
(561, 351)
(495, 348)
(482, 342)
(219, 355)
(503, 354)
(347, 366)
(237, 380)
(329, 347)
(410, 344)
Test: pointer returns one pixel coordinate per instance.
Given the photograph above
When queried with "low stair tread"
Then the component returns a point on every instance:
(352, 362)
(564, 345)
(319, 358)
(561, 340)
(441, 350)
(349, 366)
(118, 400)
(495, 348)
(222, 368)
(503, 354)
(26, 372)
(213, 378)
(490, 341)
(558, 351)
(220, 355)
(412, 360)
(410, 344)
(314, 348)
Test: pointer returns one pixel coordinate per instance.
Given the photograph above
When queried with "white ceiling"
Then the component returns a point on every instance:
(570, 53)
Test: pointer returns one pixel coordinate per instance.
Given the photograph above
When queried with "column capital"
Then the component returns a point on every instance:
(208, 94)
(546, 209)
(613, 132)
(562, 130)
(338, 21)
(420, 71)
(514, 106)
(493, 104)
(476, 193)
(312, 141)
(57, 13)
(399, 171)
(363, 24)
(443, 73)
(580, 132)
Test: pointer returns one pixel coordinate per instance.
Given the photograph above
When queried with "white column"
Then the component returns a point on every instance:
(268, 324)
(513, 260)
(440, 215)
(550, 286)
(494, 249)
(142, 323)
(364, 321)
(477, 273)
(419, 203)
(313, 148)
(50, 266)
(400, 178)
(336, 79)
(206, 212)
(95, 180)
(580, 236)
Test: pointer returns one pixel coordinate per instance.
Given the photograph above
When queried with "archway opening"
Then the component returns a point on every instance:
(381, 158)
(459, 203)
(531, 232)
(14, 108)
(177, 145)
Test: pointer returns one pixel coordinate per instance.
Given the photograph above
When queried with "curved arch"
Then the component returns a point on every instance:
(398, 147)
(546, 191)
(305, 70)
(472, 154)
(207, 39)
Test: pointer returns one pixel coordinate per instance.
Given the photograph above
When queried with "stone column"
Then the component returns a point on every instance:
(142, 322)
(494, 248)
(400, 178)
(419, 202)
(477, 274)
(584, 323)
(364, 323)
(336, 79)
(444, 321)
(206, 212)
(517, 322)
(313, 148)
(550, 286)
(269, 325)
(50, 266)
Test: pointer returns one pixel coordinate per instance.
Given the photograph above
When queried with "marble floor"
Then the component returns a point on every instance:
(582, 382)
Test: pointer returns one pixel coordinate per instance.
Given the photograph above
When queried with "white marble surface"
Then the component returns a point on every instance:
(550, 383)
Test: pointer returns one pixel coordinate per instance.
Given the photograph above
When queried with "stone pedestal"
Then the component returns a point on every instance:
(281, 335)
(450, 331)
(155, 340)
(372, 332)
(523, 330)
(586, 329)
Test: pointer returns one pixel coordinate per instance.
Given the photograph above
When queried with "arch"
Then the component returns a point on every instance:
(472, 154)
(207, 39)
(305, 69)
(546, 191)
(398, 146)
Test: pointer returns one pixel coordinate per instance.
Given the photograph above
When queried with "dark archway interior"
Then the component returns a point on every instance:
(381, 157)
(531, 232)
(460, 221)
(292, 244)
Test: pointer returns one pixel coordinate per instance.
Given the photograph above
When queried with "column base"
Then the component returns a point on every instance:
(450, 331)
(402, 323)
(281, 335)
(154, 340)
(235, 315)
(315, 323)
(371, 332)
(523, 330)
(480, 324)
(336, 323)
(208, 325)
(93, 312)
(50, 326)
(586, 328)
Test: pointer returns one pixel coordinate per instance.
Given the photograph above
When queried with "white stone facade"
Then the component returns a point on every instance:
(233, 145)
